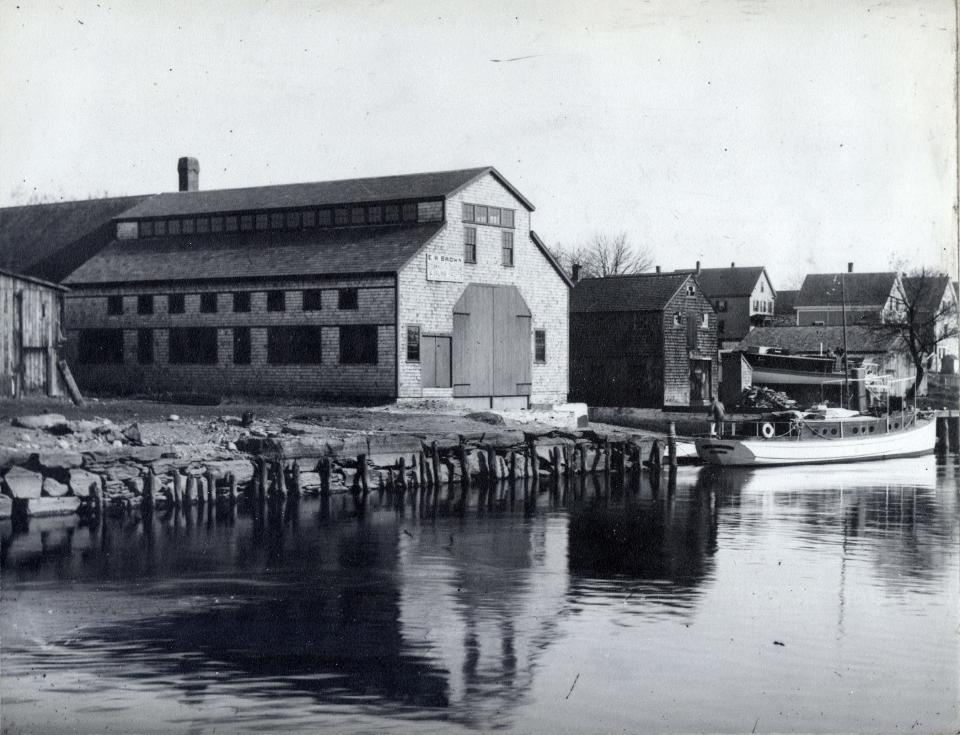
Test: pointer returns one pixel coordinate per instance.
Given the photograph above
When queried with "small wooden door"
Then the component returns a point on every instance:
(700, 385)
(693, 324)
(435, 361)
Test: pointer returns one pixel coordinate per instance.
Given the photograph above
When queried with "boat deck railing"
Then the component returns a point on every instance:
(800, 428)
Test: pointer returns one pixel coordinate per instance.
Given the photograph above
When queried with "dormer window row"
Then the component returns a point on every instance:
(299, 219)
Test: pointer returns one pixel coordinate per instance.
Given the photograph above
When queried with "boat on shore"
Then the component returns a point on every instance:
(821, 436)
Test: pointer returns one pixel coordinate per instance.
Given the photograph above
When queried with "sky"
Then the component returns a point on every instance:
(795, 134)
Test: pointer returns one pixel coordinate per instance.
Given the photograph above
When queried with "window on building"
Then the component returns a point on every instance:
(217, 224)
(261, 221)
(358, 215)
(246, 222)
(705, 321)
(173, 226)
(480, 215)
(469, 244)
(294, 345)
(818, 323)
(410, 212)
(176, 303)
(506, 218)
(507, 246)
(375, 215)
(468, 213)
(761, 287)
(413, 344)
(187, 226)
(721, 325)
(203, 225)
(493, 216)
(276, 301)
(160, 228)
(678, 319)
(145, 346)
(358, 344)
(241, 301)
(756, 305)
(540, 345)
(100, 347)
(208, 303)
(145, 304)
(347, 299)
(722, 305)
(114, 305)
(277, 221)
(324, 218)
(312, 299)
(309, 218)
(691, 289)
(146, 229)
(241, 345)
(231, 223)
(193, 346)
(391, 213)
(341, 216)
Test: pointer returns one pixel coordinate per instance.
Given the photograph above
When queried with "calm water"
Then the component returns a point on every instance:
(810, 600)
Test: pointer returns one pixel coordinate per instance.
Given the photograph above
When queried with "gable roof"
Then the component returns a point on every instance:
(638, 292)
(432, 185)
(928, 291)
(49, 241)
(550, 259)
(860, 289)
(785, 302)
(810, 340)
(733, 281)
(31, 279)
(256, 255)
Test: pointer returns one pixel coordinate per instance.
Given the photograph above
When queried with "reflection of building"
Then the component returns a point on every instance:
(642, 340)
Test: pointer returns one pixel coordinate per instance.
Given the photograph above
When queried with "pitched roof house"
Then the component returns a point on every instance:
(866, 296)
(381, 287)
(642, 340)
(743, 296)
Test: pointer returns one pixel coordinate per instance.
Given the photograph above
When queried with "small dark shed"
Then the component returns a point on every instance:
(646, 340)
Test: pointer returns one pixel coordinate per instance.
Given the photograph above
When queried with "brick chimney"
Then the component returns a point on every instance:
(189, 170)
(733, 265)
(658, 269)
(849, 267)
(575, 272)
(698, 267)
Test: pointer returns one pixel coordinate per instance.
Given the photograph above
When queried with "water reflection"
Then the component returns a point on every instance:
(449, 609)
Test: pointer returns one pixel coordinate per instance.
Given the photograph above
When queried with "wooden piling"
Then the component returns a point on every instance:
(149, 486)
(211, 485)
(606, 457)
(177, 489)
(295, 479)
(423, 469)
(555, 470)
(435, 462)
(191, 489)
(943, 431)
(232, 481)
(464, 467)
(513, 466)
(402, 473)
(534, 458)
(362, 472)
(582, 454)
(324, 468)
(482, 461)
(953, 433)
(672, 444)
(280, 479)
(261, 478)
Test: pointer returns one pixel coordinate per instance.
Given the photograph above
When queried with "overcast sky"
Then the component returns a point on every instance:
(793, 134)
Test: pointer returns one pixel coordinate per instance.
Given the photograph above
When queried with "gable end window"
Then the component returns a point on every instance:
(114, 305)
(413, 344)
(347, 299)
(507, 246)
(540, 345)
(469, 244)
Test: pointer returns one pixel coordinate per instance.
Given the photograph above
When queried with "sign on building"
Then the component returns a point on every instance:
(444, 268)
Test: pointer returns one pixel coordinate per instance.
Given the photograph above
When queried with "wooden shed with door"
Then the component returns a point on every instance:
(646, 340)
(30, 336)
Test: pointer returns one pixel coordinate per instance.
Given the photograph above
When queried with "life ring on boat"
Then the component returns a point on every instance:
(767, 430)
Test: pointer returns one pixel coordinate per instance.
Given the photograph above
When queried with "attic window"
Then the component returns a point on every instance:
(293, 220)
(391, 213)
(341, 216)
(357, 215)
(678, 319)
(409, 212)
(691, 290)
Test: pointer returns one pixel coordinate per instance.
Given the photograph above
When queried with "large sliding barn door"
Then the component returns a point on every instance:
(491, 342)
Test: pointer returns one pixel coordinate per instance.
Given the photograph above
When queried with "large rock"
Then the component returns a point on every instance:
(52, 506)
(82, 482)
(54, 489)
(6, 506)
(59, 460)
(44, 421)
(486, 417)
(22, 484)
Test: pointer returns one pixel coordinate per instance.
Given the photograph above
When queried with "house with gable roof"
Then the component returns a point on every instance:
(866, 297)
(647, 339)
(414, 286)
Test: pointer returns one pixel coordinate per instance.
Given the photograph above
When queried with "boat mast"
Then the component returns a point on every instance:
(846, 366)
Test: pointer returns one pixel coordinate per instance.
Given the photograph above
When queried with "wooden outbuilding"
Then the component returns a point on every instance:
(647, 340)
(30, 336)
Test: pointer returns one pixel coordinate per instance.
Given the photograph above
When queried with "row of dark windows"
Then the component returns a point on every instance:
(413, 344)
(347, 300)
(292, 345)
(373, 214)
(480, 214)
(470, 247)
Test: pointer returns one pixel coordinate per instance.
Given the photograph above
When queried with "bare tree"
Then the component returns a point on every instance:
(604, 255)
(923, 313)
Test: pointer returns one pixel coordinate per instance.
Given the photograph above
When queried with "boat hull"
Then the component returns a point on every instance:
(913, 442)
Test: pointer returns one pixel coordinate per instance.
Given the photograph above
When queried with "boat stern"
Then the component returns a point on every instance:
(714, 450)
